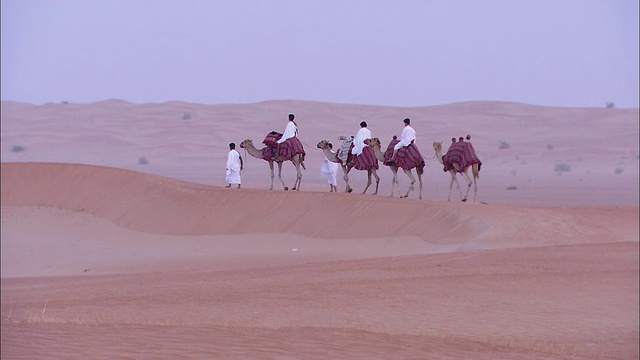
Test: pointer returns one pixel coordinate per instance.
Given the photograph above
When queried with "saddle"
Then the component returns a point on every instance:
(286, 150)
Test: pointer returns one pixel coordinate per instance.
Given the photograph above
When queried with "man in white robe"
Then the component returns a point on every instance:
(290, 130)
(359, 141)
(329, 171)
(407, 137)
(234, 166)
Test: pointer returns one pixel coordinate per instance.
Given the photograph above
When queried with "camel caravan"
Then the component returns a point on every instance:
(364, 153)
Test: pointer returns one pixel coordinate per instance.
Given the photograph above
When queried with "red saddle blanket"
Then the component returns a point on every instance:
(364, 161)
(388, 154)
(286, 150)
(461, 153)
(408, 157)
(272, 139)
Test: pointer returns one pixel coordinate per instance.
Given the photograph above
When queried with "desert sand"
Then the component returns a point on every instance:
(119, 239)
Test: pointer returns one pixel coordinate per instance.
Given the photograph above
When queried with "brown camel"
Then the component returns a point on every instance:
(323, 144)
(297, 161)
(475, 170)
(377, 148)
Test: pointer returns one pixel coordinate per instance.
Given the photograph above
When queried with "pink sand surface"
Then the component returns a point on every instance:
(105, 257)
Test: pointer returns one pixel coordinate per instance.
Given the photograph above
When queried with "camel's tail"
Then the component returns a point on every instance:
(302, 162)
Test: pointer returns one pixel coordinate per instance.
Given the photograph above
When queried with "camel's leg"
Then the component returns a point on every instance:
(346, 170)
(280, 176)
(475, 189)
(296, 185)
(420, 181)
(469, 183)
(453, 179)
(413, 181)
(300, 173)
(475, 172)
(375, 174)
(272, 175)
(394, 180)
(368, 181)
(297, 166)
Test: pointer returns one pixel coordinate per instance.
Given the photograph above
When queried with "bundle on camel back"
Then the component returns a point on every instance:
(407, 158)
(459, 158)
(290, 150)
(366, 161)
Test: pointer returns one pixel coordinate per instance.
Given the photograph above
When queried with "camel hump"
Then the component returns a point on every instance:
(272, 138)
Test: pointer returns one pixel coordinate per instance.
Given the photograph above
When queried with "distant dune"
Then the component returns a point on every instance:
(551, 156)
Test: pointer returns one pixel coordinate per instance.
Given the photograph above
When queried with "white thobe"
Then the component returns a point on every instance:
(233, 167)
(330, 171)
(289, 132)
(358, 141)
(408, 135)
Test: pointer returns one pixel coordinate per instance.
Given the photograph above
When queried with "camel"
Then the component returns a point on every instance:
(375, 144)
(297, 160)
(323, 144)
(475, 170)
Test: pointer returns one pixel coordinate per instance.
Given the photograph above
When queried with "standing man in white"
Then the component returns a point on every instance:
(329, 171)
(234, 166)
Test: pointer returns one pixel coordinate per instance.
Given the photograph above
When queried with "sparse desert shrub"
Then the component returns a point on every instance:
(17, 148)
(143, 160)
(549, 147)
(562, 167)
(618, 171)
(512, 187)
(186, 116)
(610, 105)
(504, 145)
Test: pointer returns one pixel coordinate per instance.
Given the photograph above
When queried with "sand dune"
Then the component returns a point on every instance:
(159, 205)
(105, 257)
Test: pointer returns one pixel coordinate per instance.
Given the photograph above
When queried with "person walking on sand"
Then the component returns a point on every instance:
(359, 142)
(329, 171)
(234, 166)
(407, 137)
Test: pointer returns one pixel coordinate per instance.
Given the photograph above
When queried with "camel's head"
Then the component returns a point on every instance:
(323, 144)
(246, 143)
(437, 146)
(374, 142)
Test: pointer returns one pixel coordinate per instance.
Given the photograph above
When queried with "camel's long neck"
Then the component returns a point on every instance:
(331, 156)
(378, 152)
(256, 153)
(439, 155)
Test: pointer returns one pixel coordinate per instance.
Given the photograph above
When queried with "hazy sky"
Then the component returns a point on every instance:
(571, 53)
